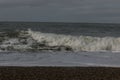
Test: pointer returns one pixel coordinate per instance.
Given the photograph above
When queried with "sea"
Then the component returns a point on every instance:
(57, 43)
(46, 36)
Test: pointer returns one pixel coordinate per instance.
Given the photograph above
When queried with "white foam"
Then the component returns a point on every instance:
(78, 43)
(85, 59)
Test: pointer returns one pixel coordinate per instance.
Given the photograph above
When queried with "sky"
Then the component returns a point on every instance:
(98, 11)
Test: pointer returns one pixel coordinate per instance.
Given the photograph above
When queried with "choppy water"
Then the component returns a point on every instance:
(59, 37)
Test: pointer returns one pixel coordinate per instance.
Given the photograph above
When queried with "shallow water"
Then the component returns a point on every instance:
(105, 59)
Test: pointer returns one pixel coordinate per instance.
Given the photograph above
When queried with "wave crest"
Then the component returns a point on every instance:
(77, 43)
(37, 41)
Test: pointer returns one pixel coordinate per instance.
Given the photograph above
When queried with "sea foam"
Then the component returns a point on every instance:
(37, 41)
(77, 43)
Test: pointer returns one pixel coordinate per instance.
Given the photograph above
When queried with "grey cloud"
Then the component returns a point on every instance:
(16, 3)
(66, 4)
(68, 10)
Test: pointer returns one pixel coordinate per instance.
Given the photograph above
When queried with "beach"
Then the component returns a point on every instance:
(59, 73)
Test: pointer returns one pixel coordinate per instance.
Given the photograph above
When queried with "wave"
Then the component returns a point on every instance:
(77, 43)
(38, 41)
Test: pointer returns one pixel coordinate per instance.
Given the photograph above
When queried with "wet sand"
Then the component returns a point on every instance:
(59, 73)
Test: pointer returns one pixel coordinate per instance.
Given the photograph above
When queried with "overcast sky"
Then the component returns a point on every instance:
(60, 10)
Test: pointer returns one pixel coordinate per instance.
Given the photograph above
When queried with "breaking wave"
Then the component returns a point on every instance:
(38, 41)
(78, 43)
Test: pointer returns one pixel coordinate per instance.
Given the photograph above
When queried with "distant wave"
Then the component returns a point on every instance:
(38, 41)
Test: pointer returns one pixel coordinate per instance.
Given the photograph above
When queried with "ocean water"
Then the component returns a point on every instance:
(72, 37)
(59, 44)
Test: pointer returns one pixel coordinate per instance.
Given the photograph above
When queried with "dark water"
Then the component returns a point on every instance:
(87, 29)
